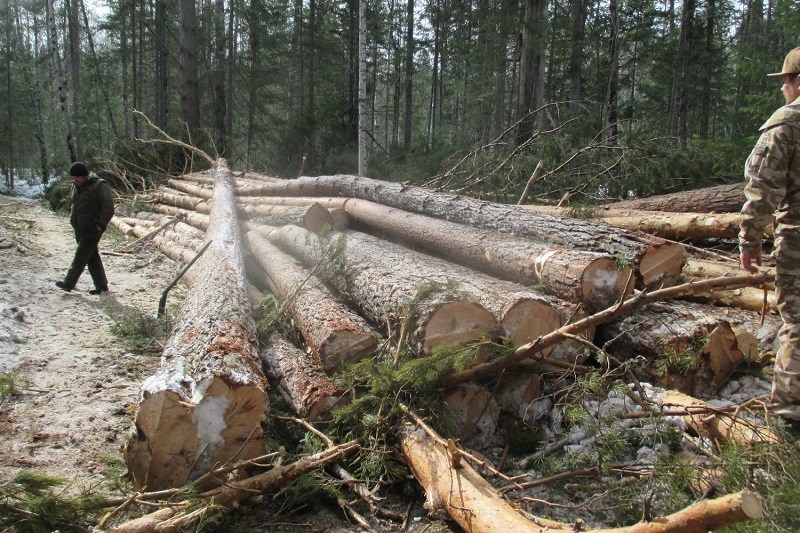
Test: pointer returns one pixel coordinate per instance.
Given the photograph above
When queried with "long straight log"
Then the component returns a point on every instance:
(432, 315)
(653, 258)
(205, 404)
(665, 224)
(332, 331)
(583, 277)
(719, 199)
(299, 379)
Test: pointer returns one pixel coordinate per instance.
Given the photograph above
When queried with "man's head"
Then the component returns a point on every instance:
(79, 173)
(790, 74)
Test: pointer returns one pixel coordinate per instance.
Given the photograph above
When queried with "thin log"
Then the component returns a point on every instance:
(720, 427)
(205, 404)
(583, 277)
(707, 268)
(718, 199)
(299, 378)
(391, 296)
(653, 258)
(333, 332)
(668, 225)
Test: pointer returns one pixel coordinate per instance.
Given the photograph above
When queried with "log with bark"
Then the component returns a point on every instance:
(686, 346)
(431, 315)
(476, 506)
(474, 411)
(718, 199)
(299, 379)
(679, 226)
(332, 331)
(205, 404)
(654, 259)
(583, 277)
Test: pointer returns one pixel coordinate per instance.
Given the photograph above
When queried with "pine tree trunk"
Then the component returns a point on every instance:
(205, 404)
(582, 277)
(652, 258)
(719, 199)
(333, 332)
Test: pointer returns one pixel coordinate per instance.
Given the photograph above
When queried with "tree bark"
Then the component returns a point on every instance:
(300, 380)
(653, 258)
(333, 332)
(62, 80)
(190, 97)
(679, 333)
(583, 277)
(474, 411)
(718, 199)
(664, 224)
(205, 404)
(432, 315)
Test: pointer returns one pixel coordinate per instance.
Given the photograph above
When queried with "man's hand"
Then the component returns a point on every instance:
(747, 261)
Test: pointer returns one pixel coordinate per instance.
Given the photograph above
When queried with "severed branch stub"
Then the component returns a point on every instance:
(162, 303)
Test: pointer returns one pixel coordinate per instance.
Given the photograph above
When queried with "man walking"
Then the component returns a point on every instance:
(92, 209)
(773, 188)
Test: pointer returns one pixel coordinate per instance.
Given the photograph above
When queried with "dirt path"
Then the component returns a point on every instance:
(75, 381)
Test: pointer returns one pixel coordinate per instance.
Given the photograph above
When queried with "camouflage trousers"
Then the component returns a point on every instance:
(786, 380)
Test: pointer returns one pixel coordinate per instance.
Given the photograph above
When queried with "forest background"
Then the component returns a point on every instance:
(615, 97)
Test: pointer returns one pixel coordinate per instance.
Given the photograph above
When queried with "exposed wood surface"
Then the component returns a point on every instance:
(584, 277)
(474, 411)
(299, 379)
(652, 257)
(332, 331)
(205, 404)
(679, 331)
(669, 225)
(707, 268)
(391, 295)
(719, 199)
(722, 427)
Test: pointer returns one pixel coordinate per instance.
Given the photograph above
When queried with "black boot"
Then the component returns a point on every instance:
(63, 286)
(98, 291)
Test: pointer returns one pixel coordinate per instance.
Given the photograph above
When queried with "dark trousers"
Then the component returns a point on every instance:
(87, 255)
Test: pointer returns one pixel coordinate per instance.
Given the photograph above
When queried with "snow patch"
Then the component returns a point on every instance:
(209, 418)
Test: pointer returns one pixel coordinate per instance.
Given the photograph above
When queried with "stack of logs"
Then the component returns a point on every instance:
(353, 259)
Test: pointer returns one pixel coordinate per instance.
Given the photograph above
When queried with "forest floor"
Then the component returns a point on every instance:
(75, 384)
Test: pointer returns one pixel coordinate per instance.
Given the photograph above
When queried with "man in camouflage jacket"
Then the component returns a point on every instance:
(92, 209)
(773, 189)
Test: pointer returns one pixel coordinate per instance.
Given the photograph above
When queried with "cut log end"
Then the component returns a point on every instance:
(528, 320)
(346, 346)
(177, 440)
(456, 322)
(662, 264)
(603, 283)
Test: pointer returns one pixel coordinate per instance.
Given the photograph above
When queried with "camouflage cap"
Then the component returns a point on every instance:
(791, 65)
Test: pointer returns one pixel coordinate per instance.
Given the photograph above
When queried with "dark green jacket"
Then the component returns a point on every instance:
(92, 205)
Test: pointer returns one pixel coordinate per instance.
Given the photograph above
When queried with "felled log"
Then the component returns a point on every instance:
(314, 217)
(299, 379)
(477, 507)
(695, 345)
(391, 296)
(722, 427)
(197, 220)
(205, 404)
(718, 199)
(707, 268)
(516, 391)
(582, 277)
(332, 331)
(652, 258)
(121, 225)
(668, 225)
(749, 298)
